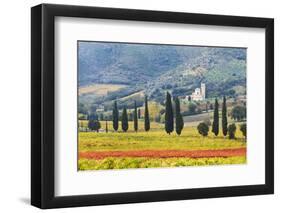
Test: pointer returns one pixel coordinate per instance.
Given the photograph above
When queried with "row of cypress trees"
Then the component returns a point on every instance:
(124, 117)
(215, 125)
(169, 115)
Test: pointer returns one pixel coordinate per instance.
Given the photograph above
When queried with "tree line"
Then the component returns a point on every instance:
(125, 120)
(169, 115)
(230, 129)
(173, 118)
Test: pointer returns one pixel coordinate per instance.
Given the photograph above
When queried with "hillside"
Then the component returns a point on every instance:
(155, 69)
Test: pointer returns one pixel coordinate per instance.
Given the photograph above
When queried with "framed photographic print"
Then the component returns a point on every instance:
(139, 106)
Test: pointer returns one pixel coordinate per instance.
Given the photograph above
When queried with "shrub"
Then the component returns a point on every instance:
(94, 125)
(243, 129)
(203, 129)
(238, 113)
(192, 108)
(231, 131)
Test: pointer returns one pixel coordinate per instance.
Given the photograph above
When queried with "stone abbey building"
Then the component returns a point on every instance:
(199, 94)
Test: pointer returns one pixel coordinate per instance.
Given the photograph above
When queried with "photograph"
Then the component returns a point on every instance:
(142, 105)
(160, 105)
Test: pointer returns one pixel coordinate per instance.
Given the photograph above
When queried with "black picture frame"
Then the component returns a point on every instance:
(43, 110)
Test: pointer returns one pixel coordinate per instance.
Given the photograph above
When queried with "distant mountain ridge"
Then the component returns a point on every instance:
(115, 62)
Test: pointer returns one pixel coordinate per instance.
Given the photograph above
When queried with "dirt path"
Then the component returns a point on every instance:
(165, 153)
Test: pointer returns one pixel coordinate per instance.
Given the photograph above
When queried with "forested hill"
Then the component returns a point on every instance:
(154, 68)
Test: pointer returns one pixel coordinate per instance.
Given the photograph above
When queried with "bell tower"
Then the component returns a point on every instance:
(203, 91)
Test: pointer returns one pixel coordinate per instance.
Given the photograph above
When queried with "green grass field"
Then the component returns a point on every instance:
(155, 139)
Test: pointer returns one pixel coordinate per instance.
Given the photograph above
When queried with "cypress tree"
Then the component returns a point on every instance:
(179, 119)
(146, 116)
(135, 118)
(139, 113)
(125, 124)
(215, 127)
(169, 117)
(224, 117)
(115, 116)
(106, 126)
